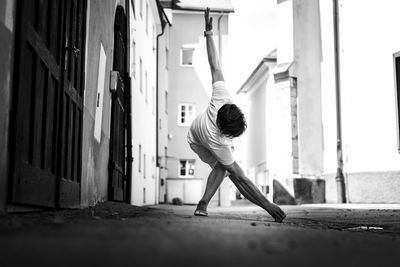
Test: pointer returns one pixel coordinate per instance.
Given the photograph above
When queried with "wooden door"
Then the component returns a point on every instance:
(117, 170)
(70, 164)
(48, 124)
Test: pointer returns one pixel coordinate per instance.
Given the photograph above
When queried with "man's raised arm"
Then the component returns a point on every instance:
(213, 60)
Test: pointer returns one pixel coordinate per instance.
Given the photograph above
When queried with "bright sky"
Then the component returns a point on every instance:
(251, 36)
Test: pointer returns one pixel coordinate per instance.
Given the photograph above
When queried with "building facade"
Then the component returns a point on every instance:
(80, 128)
(145, 26)
(57, 116)
(299, 99)
(189, 93)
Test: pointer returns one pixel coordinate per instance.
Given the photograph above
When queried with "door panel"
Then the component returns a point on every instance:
(117, 172)
(37, 89)
(44, 102)
(72, 99)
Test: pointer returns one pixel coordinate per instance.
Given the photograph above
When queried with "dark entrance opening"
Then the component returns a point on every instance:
(119, 189)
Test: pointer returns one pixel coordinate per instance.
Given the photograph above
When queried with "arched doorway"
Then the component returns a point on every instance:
(118, 189)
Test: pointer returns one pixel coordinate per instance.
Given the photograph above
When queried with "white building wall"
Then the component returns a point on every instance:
(307, 70)
(188, 84)
(371, 160)
(163, 95)
(369, 123)
(144, 182)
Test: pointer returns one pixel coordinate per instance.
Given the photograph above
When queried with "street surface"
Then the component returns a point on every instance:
(113, 234)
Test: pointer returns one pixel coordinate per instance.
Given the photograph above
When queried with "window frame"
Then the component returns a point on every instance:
(187, 162)
(133, 57)
(140, 159)
(188, 121)
(166, 57)
(147, 18)
(141, 75)
(187, 47)
(166, 101)
(144, 166)
(146, 87)
(141, 8)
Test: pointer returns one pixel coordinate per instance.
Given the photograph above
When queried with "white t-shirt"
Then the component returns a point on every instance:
(204, 130)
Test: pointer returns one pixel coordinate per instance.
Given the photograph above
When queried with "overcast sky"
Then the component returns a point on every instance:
(251, 37)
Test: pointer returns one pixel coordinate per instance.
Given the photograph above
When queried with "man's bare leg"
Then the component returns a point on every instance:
(214, 180)
(252, 193)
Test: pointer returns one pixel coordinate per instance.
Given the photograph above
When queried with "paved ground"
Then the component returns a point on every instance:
(113, 234)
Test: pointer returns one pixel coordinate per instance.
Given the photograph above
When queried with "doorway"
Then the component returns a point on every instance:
(48, 103)
(118, 136)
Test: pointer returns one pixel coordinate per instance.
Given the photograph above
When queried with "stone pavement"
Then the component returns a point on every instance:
(113, 234)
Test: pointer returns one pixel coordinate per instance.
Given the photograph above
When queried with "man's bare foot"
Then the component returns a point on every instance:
(276, 212)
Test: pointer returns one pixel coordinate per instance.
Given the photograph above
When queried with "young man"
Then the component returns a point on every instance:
(210, 137)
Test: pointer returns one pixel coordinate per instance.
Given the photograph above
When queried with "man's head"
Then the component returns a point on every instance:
(231, 121)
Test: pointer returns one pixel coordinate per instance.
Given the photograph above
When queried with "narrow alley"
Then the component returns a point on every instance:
(118, 117)
(112, 234)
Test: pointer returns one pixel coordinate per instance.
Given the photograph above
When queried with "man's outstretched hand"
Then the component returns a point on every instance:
(276, 212)
(208, 20)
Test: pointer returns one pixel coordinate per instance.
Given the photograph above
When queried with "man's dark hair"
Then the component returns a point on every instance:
(231, 120)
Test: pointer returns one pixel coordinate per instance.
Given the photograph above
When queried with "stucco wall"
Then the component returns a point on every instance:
(163, 87)
(366, 187)
(189, 84)
(7, 26)
(307, 70)
(371, 160)
(368, 94)
(144, 189)
(256, 127)
(100, 29)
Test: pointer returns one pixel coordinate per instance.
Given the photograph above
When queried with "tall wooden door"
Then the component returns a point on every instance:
(117, 170)
(72, 103)
(47, 133)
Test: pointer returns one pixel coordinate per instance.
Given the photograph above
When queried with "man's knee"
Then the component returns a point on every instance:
(220, 169)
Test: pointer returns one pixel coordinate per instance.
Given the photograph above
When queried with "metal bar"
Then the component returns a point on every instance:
(341, 187)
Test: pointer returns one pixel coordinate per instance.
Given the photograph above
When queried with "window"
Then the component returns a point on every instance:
(147, 18)
(166, 102)
(141, 76)
(153, 163)
(100, 93)
(133, 8)
(186, 168)
(153, 100)
(187, 56)
(160, 124)
(140, 158)
(146, 87)
(133, 67)
(187, 112)
(166, 57)
(165, 155)
(141, 8)
(396, 58)
(144, 195)
(144, 166)
(154, 38)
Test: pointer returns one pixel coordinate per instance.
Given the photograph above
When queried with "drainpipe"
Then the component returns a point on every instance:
(129, 158)
(341, 187)
(157, 98)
